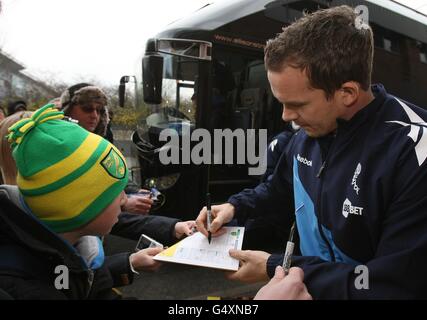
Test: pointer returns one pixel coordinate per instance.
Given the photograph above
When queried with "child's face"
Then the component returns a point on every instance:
(102, 224)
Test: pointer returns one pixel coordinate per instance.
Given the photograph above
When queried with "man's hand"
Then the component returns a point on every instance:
(184, 228)
(221, 214)
(253, 266)
(281, 287)
(143, 259)
(139, 204)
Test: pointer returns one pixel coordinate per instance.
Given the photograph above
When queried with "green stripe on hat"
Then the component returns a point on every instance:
(92, 211)
(71, 177)
(57, 138)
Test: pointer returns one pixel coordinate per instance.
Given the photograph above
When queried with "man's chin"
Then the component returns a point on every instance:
(309, 132)
(313, 134)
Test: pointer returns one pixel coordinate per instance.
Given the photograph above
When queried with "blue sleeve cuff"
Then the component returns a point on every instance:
(239, 213)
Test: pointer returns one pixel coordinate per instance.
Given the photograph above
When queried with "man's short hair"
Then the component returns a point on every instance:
(329, 45)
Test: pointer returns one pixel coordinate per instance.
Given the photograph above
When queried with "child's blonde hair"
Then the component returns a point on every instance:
(7, 163)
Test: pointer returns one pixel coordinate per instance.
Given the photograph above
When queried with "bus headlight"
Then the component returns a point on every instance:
(162, 183)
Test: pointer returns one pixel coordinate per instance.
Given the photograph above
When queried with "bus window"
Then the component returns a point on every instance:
(176, 110)
(187, 103)
(423, 51)
(386, 39)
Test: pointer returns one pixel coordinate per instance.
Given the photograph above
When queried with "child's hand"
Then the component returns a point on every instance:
(143, 259)
(184, 228)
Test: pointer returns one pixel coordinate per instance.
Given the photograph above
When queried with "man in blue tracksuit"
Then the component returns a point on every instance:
(354, 178)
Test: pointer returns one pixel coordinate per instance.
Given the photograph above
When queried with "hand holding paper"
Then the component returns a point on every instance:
(196, 250)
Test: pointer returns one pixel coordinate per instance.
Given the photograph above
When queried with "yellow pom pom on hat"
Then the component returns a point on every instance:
(66, 174)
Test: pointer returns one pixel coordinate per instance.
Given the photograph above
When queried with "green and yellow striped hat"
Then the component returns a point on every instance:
(66, 174)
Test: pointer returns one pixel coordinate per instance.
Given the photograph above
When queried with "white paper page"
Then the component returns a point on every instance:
(196, 250)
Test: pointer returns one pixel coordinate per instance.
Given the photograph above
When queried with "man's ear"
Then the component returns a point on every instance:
(349, 93)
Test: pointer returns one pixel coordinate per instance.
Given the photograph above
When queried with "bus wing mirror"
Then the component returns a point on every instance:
(152, 76)
(122, 90)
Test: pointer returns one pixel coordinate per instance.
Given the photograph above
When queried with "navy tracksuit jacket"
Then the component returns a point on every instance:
(359, 197)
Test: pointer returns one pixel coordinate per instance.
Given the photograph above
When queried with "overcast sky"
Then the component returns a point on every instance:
(74, 40)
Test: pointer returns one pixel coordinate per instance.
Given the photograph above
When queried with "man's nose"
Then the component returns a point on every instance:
(289, 115)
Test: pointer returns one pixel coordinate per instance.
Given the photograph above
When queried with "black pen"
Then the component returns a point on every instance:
(208, 206)
(289, 250)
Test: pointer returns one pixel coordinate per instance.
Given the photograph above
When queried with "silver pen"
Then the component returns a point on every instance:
(289, 251)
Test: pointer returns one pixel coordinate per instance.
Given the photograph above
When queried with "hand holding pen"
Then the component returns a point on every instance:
(220, 215)
(209, 221)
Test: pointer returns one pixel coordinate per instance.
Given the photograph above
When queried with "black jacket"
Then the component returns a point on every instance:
(29, 254)
(131, 226)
